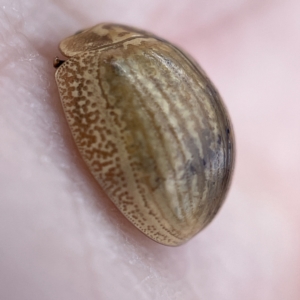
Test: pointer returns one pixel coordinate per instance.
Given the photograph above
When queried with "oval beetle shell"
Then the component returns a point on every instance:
(150, 126)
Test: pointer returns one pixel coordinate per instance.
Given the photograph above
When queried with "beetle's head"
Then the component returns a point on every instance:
(101, 35)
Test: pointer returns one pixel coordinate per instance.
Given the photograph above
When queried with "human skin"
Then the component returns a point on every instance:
(62, 238)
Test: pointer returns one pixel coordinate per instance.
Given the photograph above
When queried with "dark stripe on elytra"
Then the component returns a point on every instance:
(220, 172)
(203, 144)
(179, 196)
(173, 108)
(221, 111)
(158, 131)
(149, 145)
(217, 116)
(194, 117)
(193, 99)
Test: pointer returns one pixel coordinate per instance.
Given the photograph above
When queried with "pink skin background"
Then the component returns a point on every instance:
(61, 238)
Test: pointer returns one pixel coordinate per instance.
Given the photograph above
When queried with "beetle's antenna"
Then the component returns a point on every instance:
(57, 62)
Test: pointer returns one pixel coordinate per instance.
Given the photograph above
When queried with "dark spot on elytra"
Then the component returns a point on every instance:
(192, 169)
(121, 34)
(204, 162)
(103, 38)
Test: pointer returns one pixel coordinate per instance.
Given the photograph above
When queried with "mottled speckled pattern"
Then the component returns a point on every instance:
(151, 128)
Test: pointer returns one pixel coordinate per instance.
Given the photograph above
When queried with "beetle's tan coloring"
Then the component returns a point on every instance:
(150, 126)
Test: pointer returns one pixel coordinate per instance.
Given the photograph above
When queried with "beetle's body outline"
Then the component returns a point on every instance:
(150, 126)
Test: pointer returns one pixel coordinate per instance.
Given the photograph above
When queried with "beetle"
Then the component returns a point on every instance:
(150, 126)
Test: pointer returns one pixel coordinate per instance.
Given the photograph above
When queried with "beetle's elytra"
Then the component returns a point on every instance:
(150, 126)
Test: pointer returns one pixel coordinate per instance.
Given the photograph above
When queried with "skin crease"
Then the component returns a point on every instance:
(61, 238)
